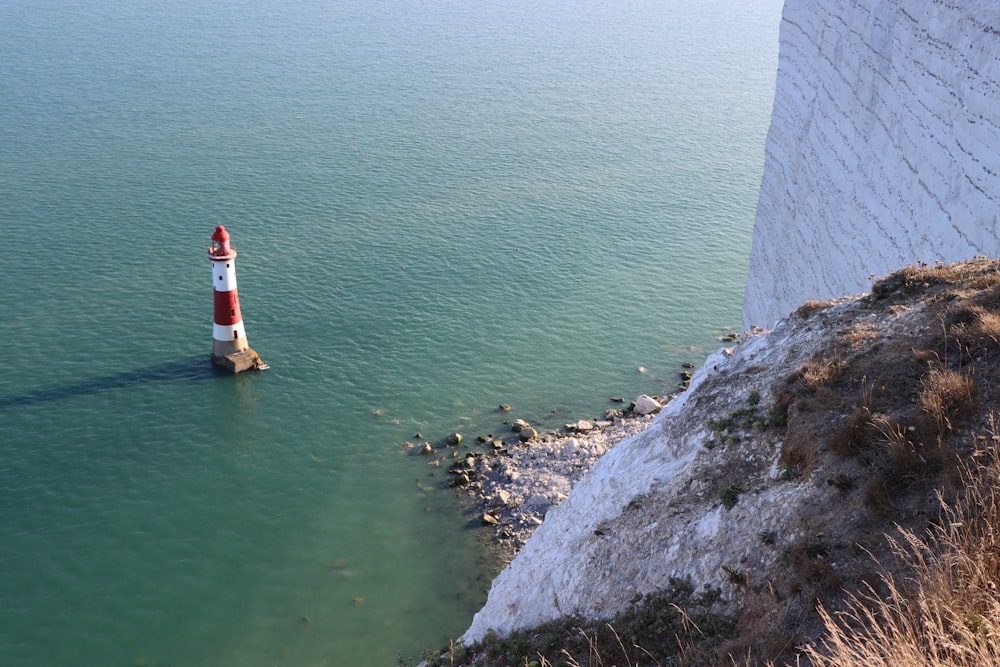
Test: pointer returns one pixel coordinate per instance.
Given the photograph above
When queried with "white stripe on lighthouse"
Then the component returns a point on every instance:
(224, 275)
(225, 332)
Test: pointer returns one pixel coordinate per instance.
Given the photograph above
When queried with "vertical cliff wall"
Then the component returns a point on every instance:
(884, 147)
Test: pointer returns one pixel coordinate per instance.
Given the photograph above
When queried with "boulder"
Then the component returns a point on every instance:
(645, 405)
(518, 425)
(454, 438)
(527, 433)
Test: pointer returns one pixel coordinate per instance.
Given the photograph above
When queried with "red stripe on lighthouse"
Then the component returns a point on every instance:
(227, 308)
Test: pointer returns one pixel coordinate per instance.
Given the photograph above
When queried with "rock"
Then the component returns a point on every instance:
(527, 433)
(461, 479)
(518, 425)
(537, 503)
(408, 445)
(583, 426)
(426, 449)
(503, 495)
(454, 438)
(617, 399)
(503, 407)
(489, 519)
(645, 405)
(482, 438)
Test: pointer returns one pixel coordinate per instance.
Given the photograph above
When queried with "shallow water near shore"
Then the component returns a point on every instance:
(437, 208)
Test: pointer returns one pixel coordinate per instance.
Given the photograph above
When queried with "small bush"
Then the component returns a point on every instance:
(730, 495)
(777, 415)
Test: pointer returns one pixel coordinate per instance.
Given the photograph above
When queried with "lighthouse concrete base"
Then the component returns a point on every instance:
(237, 362)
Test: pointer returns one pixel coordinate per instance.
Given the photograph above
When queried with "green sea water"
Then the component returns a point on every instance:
(438, 207)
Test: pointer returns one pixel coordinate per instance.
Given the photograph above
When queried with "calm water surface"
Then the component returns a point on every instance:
(438, 207)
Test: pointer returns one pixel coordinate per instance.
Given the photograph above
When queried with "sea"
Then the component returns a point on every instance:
(439, 206)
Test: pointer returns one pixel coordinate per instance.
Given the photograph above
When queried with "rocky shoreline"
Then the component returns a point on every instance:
(515, 480)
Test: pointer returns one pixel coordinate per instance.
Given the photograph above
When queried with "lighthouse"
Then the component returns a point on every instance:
(230, 349)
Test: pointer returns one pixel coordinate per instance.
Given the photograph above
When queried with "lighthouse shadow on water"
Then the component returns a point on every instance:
(192, 369)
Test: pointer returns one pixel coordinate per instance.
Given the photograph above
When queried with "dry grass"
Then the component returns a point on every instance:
(859, 336)
(854, 434)
(946, 609)
(974, 327)
(988, 326)
(977, 274)
(819, 372)
(810, 307)
(945, 393)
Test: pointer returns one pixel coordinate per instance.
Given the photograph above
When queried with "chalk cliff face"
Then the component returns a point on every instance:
(884, 147)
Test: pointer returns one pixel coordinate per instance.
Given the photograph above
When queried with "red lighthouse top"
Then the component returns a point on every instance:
(220, 250)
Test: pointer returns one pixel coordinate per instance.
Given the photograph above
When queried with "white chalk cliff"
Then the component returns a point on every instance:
(884, 150)
(884, 147)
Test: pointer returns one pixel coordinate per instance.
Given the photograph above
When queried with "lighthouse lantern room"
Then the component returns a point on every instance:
(230, 349)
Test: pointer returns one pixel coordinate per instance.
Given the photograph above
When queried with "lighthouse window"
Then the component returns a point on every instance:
(232, 312)
(220, 277)
(235, 335)
(227, 265)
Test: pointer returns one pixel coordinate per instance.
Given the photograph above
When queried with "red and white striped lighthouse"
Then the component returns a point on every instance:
(229, 339)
